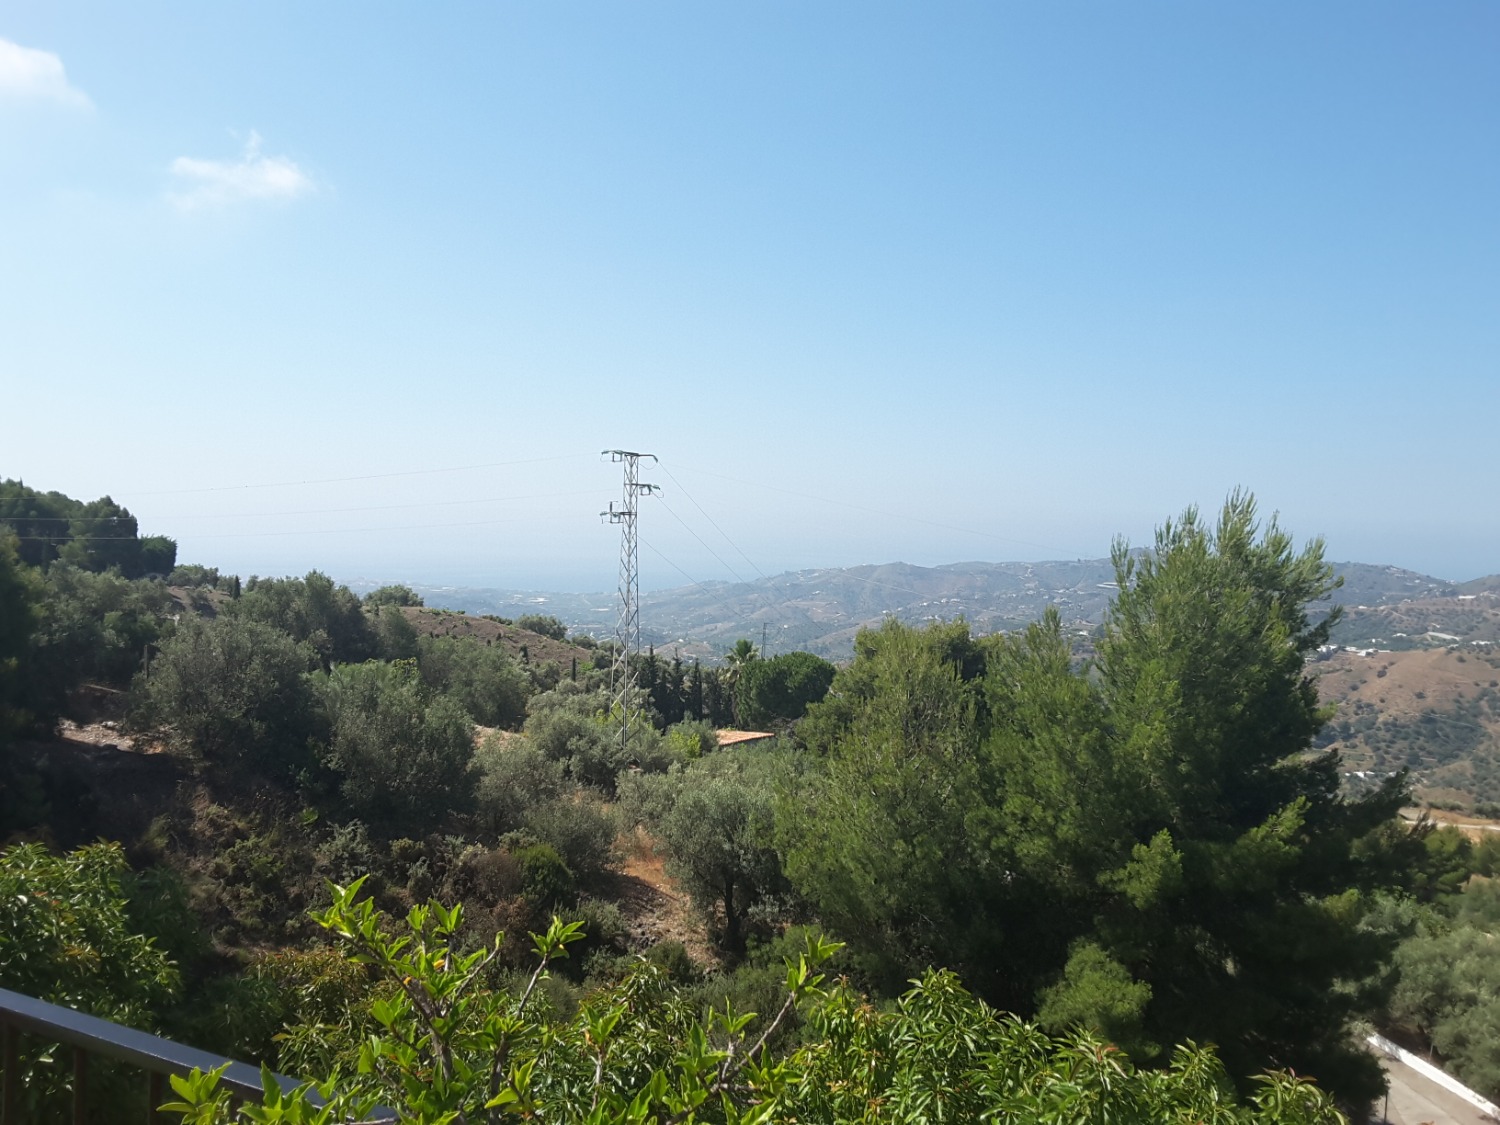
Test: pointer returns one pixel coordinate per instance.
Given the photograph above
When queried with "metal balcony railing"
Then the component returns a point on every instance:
(89, 1036)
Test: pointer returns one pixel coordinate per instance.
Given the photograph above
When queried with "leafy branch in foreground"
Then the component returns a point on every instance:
(453, 1051)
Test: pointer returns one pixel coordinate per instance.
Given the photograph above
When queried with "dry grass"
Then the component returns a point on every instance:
(655, 907)
(1441, 676)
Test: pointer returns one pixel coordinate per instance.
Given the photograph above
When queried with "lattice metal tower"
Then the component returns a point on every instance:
(628, 632)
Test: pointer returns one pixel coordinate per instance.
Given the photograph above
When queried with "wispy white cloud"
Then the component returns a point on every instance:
(210, 183)
(32, 75)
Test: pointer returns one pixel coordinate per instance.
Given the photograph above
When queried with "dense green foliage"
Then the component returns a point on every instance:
(1445, 979)
(17, 624)
(486, 682)
(577, 725)
(543, 624)
(94, 628)
(404, 756)
(66, 937)
(1147, 846)
(97, 535)
(448, 1050)
(311, 610)
(718, 832)
(779, 690)
(233, 690)
(393, 596)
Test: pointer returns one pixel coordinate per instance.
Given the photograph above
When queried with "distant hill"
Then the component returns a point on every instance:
(1414, 669)
(1400, 610)
(1435, 712)
(821, 610)
(520, 643)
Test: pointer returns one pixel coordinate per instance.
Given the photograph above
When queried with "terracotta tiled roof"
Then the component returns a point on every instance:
(735, 737)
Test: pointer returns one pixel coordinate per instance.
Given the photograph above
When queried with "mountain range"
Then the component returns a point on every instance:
(821, 610)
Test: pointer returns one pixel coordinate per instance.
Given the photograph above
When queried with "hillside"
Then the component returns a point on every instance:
(1410, 669)
(1436, 619)
(1435, 712)
(821, 610)
(522, 644)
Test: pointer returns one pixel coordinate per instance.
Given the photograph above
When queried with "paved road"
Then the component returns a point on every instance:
(1416, 1100)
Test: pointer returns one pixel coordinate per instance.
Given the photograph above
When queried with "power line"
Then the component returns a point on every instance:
(706, 547)
(693, 581)
(308, 511)
(784, 600)
(717, 528)
(315, 531)
(755, 593)
(886, 512)
(765, 596)
(366, 476)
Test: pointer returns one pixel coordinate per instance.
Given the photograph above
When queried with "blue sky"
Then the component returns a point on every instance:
(367, 287)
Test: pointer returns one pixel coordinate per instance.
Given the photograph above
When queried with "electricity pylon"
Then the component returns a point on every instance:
(628, 632)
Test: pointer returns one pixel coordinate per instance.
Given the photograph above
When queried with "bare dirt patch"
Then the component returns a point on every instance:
(1474, 827)
(656, 909)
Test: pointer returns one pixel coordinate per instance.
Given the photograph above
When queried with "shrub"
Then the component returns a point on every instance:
(327, 617)
(545, 878)
(405, 758)
(637, 1051)
(673, 959)
(581, 829)
(484, 680)
(543, 624)
(513, 778)
(233, 692)
(690, 739)
(66, 937)
(394, 596)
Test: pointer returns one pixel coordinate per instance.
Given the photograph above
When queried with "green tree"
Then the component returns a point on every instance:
(97, 535)
(875, 835)
(313, 610)
(94, 627)
(393, 595)
(102, 536)
(1152, 840)
(1239, 902)
(404, 755)
(396, 638)
(515, 776)
(1447, 983)
(482, 678)
(18, 621)
(65, 937)
(24, 707)
(81, 930)
(193, 574)
(39, 520)
(158, 555)
(719, 837)
(543, 624)
(1445, 863)
(736, 660)
(780, 690)
(578, 726)
(232, 691)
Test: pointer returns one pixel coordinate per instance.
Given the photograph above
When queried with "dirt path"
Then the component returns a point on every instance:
(1472, 826)
(655, 908)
